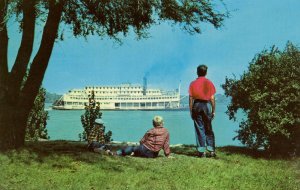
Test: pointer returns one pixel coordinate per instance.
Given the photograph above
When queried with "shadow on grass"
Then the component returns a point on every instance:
(257, 154)
(229, 150)
(69, 155)
(190, 150)
(41, 151)
(77, 152)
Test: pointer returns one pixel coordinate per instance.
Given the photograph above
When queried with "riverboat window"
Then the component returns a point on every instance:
(148, 104)
(161, 104)
(142, 104)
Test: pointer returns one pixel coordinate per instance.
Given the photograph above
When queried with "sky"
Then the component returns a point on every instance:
(170, 56)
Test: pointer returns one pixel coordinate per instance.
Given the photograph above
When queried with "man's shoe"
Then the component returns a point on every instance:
(211, 155)
(201, 154)
(111, 153)
(99, 150)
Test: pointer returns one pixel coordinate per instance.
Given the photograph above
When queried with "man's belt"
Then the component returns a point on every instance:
(202, 101)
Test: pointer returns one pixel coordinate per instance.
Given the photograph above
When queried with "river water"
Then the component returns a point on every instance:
(130, 126)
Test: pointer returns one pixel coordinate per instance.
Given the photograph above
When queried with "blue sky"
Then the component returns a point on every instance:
(171, 56)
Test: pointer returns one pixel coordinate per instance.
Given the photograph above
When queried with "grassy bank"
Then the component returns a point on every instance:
(67, 165)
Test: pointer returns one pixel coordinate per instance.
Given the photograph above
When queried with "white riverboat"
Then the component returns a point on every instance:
(121, 97)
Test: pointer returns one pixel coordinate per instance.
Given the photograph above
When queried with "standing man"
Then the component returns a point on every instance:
(202, 109)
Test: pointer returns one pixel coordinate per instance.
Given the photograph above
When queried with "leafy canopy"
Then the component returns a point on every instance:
(269, 92)
(116, 18)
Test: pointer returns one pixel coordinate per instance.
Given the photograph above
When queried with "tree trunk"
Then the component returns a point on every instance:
(5, 127)
(38, 67)
(3, 51)
(18, 71)
(10, 121)
(14, 111)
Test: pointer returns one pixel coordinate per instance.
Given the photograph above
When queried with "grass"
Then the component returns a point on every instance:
(68, 165)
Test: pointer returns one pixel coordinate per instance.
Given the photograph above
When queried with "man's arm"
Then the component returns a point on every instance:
(191, 101)
(213, 105)
(166, 146)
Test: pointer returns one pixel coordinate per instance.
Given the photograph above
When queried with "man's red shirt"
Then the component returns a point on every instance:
(202, 89)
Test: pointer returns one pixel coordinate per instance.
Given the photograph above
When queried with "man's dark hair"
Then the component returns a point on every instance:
(201, 70)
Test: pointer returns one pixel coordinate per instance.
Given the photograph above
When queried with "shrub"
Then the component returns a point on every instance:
(92, 112)
(37, 119)
(269, 94)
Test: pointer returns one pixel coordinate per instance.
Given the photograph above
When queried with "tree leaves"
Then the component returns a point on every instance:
(37, 119)
(92, 112)
(269, 92)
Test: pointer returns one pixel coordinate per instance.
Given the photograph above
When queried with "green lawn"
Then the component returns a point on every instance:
(68, 165)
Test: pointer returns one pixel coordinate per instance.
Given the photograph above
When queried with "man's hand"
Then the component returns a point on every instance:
(191, 113)
(191, 102)
(213, 106)
(212, 115)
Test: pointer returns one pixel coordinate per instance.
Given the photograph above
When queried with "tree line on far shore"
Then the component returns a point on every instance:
(51, 97)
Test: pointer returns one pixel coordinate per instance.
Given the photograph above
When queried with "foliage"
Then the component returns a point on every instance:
(68, 165)
(269, 93)
(92, 112)
(115, 18)
(37, 119)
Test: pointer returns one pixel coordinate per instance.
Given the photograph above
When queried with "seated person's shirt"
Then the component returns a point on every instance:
(156, 139)
(96, 135)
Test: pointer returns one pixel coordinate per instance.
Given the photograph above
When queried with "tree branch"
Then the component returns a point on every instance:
(3, 47)
(23, 57)
(41, 60)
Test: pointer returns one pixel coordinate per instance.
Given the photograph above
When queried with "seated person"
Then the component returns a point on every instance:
(96, 142)
(153, 141)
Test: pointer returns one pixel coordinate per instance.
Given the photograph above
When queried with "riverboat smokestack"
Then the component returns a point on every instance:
(145, 85)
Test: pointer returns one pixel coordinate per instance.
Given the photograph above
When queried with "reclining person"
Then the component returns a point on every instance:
(96, 141)
(153, 141)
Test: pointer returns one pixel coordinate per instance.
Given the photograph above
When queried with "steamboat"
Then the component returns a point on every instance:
(121, 97)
